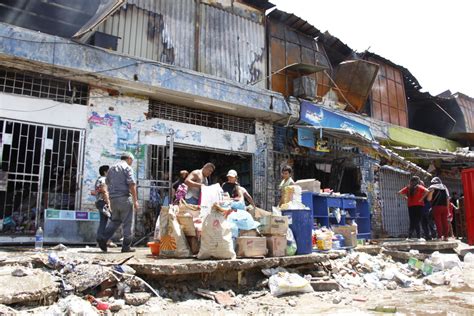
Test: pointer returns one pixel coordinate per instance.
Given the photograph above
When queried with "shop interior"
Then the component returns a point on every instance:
(192, 159)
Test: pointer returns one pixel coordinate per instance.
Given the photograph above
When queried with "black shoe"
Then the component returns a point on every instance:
(128, 250)
(102, 245)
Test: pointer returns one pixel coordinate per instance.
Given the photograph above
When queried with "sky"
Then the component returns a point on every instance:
(434, 39)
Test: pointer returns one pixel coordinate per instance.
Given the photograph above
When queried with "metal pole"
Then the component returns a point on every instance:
(171, 150)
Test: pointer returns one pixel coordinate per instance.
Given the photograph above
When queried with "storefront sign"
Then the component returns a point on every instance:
(320, 117)
(65, 215)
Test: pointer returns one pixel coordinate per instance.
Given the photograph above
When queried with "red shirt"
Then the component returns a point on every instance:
(414, 200)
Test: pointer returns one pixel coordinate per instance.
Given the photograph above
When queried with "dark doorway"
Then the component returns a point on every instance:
(191, 159)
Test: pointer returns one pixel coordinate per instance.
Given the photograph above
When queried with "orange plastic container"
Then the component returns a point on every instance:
(154, 247)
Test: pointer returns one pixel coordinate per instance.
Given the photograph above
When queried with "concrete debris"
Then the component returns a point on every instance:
(292, 303)
(21, 272)
(86, 276)
(36, 286)
(59, 247)
(136, 299)
(326, 286)
(116, 305)
(223, 298)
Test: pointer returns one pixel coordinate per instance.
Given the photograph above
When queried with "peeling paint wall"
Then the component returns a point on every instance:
(263, 170)
(114, 124)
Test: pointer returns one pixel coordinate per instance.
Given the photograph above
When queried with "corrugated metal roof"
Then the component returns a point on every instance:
(259, 4)
(294, 22)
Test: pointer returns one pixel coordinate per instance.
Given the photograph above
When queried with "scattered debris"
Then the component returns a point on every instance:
(59, 247)
(36, 286)
(136, 299)
(21, 272)
(223, 298)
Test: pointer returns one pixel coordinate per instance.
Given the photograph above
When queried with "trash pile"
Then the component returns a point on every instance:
(83, 286)
(359, 269)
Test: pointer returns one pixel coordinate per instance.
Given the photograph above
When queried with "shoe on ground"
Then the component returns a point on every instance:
(408, 239)
(111, 245)
(128, 250)
(102, 245)
(421, 239)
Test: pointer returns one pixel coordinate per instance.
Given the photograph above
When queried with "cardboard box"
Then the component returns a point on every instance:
(251, 246)
(248, 233)
(274, 225)
(276, 246)
(349, 232)
(310, 185)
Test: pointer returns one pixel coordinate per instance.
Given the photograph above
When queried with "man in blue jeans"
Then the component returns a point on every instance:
(102, 202)
(122, 188)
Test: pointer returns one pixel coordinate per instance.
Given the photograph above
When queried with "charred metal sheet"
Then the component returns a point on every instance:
(288, 45)
(355, 79)
(162, 30)
(294, 22)
(243, 10)
(57, 17)
(231, 47)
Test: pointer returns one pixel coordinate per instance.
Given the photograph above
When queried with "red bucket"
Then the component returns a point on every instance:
(154, 247)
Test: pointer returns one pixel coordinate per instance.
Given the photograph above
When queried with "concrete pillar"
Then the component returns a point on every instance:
(263, 172)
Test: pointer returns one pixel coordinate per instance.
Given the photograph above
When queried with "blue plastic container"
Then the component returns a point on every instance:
(301, 223)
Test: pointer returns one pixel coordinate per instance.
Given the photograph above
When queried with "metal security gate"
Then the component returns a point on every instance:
(154, 176)
(394, 208)
(40, 168)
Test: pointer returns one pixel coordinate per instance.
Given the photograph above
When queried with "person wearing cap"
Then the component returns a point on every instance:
(122, 190)
(438, 195)
(235, 190)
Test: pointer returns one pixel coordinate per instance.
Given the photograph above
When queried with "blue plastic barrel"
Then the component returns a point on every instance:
(301, 224)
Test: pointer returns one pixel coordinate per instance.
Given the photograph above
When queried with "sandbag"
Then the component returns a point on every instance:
(173, 243)
(216, 238)
(185, 208)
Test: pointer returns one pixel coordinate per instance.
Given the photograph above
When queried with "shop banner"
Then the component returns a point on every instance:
(320, 117)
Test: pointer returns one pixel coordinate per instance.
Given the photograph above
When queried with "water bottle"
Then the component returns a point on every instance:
(39, 239)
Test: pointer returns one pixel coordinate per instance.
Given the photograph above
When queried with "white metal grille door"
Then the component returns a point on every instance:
(40, 166)
(394, 208)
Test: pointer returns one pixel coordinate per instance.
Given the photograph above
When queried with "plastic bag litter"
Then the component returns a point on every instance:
(237, 205)
(284, 283)
(241, 220)
(444, 261)
(291, 246)
(216, 238)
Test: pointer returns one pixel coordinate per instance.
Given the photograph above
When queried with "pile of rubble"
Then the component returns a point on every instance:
(65, 284)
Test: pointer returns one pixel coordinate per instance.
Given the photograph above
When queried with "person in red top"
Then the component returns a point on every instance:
(414, 194)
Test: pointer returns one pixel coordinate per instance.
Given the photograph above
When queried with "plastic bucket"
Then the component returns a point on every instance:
(301, 223)
(154, 247)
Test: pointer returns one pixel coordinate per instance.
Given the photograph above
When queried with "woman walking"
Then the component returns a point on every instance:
(438, 195)
(414, 193)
